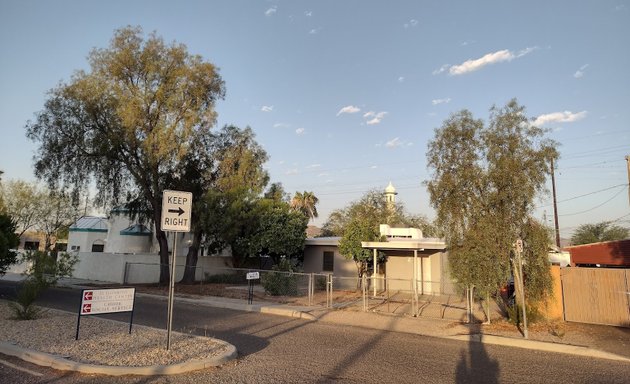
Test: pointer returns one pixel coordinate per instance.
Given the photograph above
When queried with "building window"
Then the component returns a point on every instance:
(31, 245)
(329, 261)
(98, 247)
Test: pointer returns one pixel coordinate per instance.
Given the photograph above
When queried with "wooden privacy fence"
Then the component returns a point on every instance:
(596, 295)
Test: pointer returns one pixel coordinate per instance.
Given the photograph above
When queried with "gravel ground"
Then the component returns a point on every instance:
(103, 341)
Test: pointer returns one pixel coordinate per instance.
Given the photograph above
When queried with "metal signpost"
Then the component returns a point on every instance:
(519, 257)
(100, 301)
(176, 207)
(250, 292)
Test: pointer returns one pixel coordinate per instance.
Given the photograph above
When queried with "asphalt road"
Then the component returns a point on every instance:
(275, 349)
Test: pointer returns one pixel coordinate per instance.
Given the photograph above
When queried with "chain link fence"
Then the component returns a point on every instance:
(433, 299)
(305, 289)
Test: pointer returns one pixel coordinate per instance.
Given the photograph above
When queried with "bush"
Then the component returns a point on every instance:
(282, 281)
(23, 307)
(44, 272)
(515, 314)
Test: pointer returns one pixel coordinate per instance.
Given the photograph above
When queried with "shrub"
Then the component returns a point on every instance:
(281, 281)
(515, 314)
(23, 307)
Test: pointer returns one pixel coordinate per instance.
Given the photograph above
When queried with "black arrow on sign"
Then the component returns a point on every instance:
(179, 211)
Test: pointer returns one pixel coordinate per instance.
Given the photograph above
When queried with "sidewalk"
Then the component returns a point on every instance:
(579, 339)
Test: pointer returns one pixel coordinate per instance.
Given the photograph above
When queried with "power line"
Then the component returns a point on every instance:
(597, 206)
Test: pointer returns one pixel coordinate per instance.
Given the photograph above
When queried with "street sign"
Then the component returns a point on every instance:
(97, 301)
(106, 300)
(176, 207)
(253, 275)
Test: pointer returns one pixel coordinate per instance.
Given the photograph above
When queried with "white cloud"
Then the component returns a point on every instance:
(271, 11)
(314, 166)
(267, 108)
(348, 109)
(323, 174)
(308, 13)
(281, 125)
(560, 117)
(412, 23)
(401, 79)
(580, 72)
(396, 142)
(393, 143)
(300, 131)
(292, 171)
(487, 59)
(441, 69)
(374, 167)
(441, 101)
(314, 31)
(374, 117)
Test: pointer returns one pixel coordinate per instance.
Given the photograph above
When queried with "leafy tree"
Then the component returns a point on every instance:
(276, 192)
(350, 244)
(373, 208)
(595, 233)
(24, 202)
(127, 123)
(39, 209)
(485, 178)
(306, 203)
(9, 241)
(233, 161)
(281, 231)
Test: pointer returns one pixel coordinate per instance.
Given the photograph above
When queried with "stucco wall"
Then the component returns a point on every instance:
(140, 268)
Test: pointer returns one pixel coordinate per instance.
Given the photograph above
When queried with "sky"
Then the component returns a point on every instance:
(345, 95)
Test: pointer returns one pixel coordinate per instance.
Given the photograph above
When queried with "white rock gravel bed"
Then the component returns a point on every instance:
(103, 341)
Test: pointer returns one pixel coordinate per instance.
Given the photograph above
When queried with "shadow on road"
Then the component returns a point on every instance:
(476, 366)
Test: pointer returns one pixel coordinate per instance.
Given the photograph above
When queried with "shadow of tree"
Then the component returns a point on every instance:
(476, 366)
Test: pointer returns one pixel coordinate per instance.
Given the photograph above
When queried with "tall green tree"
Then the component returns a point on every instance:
(350, 244)
(127, 122)
(595, 233)
(306, 203)
(232, 165)
(9, 241)
(485, 179)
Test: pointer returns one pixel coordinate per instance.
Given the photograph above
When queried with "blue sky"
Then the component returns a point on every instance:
(345, 95)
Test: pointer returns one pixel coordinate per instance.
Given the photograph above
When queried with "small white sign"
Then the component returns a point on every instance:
(97, 301)
(253, 275)
(176, 207)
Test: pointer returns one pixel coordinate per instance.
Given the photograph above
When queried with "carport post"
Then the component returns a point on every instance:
(415, 280)
(374, 272)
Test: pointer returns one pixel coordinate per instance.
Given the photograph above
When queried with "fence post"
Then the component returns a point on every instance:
(310, 289)
(365, 290)
(125, 273)
(329, 289)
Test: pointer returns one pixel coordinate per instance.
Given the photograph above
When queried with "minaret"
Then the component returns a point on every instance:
(390, 194)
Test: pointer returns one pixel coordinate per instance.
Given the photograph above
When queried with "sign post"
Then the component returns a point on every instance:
(176, 207)
(250, 291)
(519, 257)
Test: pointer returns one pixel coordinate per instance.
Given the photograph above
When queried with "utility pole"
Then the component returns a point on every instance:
(628, 165)
(555, 204)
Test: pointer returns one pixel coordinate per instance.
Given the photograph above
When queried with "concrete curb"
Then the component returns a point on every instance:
(539, 346)
(63, 364)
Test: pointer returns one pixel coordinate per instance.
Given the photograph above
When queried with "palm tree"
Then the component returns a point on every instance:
(305, 202)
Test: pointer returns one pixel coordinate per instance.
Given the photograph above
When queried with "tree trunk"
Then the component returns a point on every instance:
(191, 258)
(164, 260)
